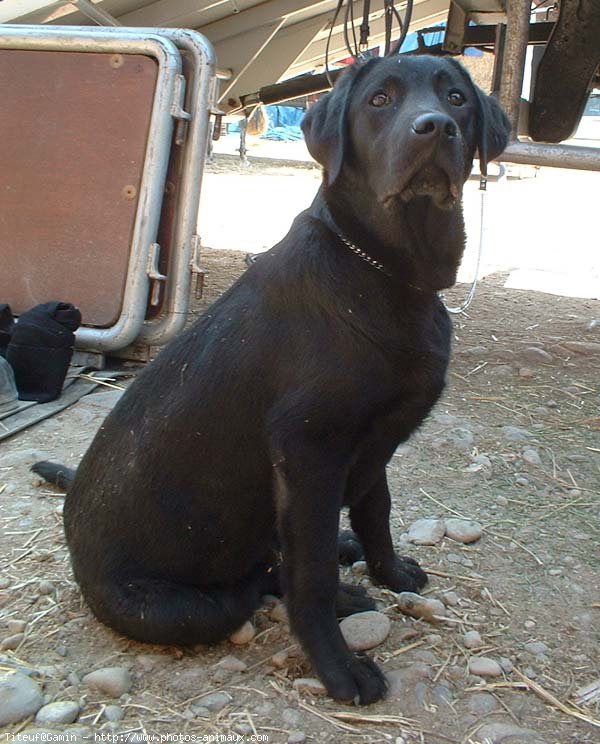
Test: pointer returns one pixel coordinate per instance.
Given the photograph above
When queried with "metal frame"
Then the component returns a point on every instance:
(511, 85)
(162, 44)
(186, 244)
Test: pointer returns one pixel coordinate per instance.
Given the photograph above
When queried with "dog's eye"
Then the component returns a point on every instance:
(456, 98)
(380, 99)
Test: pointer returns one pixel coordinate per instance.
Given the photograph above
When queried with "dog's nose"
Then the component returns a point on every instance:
(430, 125)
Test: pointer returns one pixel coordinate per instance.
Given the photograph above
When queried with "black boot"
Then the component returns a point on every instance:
(41, 348)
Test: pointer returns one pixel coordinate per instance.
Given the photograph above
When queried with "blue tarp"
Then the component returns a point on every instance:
(284, 123)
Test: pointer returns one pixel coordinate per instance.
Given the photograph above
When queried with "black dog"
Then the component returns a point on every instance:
(284, 403)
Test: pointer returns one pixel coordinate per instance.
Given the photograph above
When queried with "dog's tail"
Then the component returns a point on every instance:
(58, 475)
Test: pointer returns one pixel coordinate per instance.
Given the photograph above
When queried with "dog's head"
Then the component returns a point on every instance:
(408, 126)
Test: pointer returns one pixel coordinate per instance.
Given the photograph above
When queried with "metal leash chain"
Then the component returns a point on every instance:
(471, 293)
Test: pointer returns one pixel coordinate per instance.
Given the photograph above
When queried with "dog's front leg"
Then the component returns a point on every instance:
(309, 491)
(370, 519)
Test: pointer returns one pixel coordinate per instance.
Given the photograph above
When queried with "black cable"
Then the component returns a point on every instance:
(388, 9)
(364, 26)
(352, 21)
(405, 25)
(335, 17)
(352, 52)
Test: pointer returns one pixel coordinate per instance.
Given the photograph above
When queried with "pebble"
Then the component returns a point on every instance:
(296, 737)
(265, 709)
(461, 438)
(426, 531)
(536, 647)
(442, 695)
(310, 685)
(16, 626)
(365, 630)
(463, 530)
(472, 639)
(46, 587)
(501, 371)
(475, 351)
(533, 355)
(73, 680)
(592, 325)
(522, 482)
(243, 635)
(498, 732)
(359, 568)
(243, 728)
(279, 613)
(113, 713)
(582, 347)
(551, 404)
(112, 681)
(483, 666)
(149, 662)
(515, 433)
(426, 657)
(421, 607)
(4, 582)
(482, 461)
(529, 624)
(506, 664)
(408, 634)
(526, 373)
(532, 456)
(232, 664)
(215, 702)
(20, 697)
(10, 643)
(450, 599)
(59, 712)
(401, 681)
(291, 716)
(501, 500)
(280, 659)
(482, 703)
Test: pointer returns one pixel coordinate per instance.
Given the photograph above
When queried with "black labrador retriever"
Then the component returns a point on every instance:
(244, 439)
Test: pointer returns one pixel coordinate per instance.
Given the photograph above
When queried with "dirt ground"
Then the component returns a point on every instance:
(514, 444)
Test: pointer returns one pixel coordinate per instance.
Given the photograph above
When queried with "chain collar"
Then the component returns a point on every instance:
(376, 264)
(365, 256)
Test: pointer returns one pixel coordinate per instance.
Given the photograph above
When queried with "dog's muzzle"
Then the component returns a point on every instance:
(432, 161)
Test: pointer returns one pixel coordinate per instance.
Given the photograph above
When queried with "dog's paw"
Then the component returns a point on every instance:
(357, 680)
(351, 599)
(404, 576)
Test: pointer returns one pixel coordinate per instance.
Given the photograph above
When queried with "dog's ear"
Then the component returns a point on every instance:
(325, 124)
(493, 128)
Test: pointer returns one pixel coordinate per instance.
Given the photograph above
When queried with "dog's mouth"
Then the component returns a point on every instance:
(432, 181)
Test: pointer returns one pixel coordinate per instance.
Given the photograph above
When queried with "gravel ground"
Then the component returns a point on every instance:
(507, 473)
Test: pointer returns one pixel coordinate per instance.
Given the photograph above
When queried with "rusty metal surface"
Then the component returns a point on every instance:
(74, 130)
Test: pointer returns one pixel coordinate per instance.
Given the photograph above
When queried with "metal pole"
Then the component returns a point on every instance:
(99, 15)
(553, 156)
(513, 66)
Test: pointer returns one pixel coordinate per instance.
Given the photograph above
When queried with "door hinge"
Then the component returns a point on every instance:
(196, 267)
(178, 112)
(154, 274)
